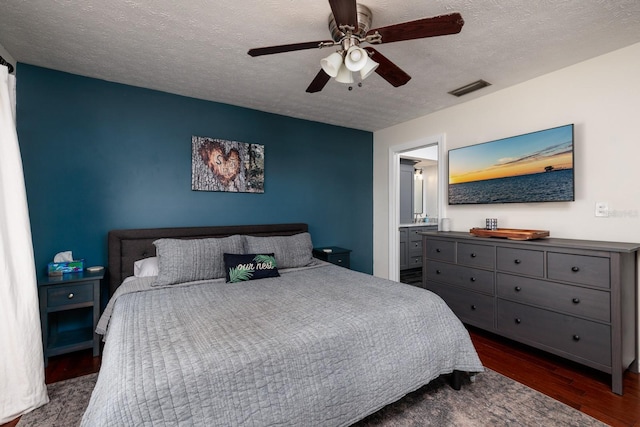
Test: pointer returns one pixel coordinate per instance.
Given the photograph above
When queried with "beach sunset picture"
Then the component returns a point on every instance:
(535, 167)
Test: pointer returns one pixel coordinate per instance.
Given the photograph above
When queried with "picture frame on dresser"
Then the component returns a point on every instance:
(573, 298)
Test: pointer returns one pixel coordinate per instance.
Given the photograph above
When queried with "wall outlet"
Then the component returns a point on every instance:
(602, 209)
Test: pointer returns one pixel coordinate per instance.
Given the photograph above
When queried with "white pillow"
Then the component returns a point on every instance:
(146, 267)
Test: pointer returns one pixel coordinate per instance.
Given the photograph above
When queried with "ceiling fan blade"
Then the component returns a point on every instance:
(421, 28)
(345, 12)
(387, 69)
(318, 82)
(269, 50)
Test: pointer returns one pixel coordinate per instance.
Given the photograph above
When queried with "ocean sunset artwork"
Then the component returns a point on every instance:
(534, 167)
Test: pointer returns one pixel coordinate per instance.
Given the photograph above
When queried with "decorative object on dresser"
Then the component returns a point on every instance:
(510, 233)
(69, 312)
(573, 298)
(334, 254)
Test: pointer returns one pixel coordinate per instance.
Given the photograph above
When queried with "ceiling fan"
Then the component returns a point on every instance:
(349, 25)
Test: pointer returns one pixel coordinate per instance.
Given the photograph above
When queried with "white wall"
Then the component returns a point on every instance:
(600, 96)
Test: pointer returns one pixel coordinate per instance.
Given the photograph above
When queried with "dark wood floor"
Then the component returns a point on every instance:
(584, 389)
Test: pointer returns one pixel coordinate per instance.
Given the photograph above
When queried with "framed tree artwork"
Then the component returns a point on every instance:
(222, 165)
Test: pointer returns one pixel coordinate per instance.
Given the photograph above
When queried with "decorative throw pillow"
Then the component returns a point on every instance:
(146, 267)
(240, 268)
(290, 251)
(182, 260)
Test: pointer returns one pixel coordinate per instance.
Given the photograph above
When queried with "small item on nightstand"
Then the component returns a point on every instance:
(327, 250)
(63, 263)
(95, 269)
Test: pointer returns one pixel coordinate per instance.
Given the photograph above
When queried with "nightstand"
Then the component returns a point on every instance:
(69, 312)
(334, 255)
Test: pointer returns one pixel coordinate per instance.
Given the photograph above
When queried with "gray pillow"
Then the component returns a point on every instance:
(290, 251)
(182, 260)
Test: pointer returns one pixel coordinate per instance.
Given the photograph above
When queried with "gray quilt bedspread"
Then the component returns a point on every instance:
(322, 346)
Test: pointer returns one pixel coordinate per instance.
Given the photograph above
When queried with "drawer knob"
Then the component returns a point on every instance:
(438, 271)
(518, 288)
(473, 307)
(576, 300)
(438, 250)
(517, 320)
(576, 337)
(517, 261)
(473, 279)
(339, 261)
(473, 255)
(575, 269)
(70, 296)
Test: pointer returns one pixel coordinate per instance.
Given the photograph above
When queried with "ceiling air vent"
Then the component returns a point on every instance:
(471, 87)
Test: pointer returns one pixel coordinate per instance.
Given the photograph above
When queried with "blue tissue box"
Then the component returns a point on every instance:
(58, 268)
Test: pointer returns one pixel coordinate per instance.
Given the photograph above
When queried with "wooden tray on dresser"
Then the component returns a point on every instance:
(510, 233)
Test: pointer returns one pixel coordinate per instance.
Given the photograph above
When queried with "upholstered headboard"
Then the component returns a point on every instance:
(128, 246)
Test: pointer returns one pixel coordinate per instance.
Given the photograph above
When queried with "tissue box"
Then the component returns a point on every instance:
(58, 268)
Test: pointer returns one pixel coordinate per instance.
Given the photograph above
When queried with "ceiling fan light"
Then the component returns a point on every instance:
(356, 58)
(368, 68)
(331, 64)
(344, 75)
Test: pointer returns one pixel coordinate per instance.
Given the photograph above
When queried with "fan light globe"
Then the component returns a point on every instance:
(356, 58)
(344, 75)
(369, 68)
(331, 64)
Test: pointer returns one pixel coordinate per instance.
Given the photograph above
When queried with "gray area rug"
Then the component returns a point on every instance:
(492, 400)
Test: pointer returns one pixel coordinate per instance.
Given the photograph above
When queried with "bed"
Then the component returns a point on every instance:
(301, 342)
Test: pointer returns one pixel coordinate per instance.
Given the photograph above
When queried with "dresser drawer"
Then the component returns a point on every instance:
(570, 299)
(578, 337)
(339, 259)
(521, 261)
(471, 307)
(441, 250)
(415, 247)
(583, 269)
(414, 261)
(414, 234)
(476, 255)
(466, 277)
(69, 294)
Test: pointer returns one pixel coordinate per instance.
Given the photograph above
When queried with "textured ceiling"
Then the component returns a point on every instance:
(198, 48)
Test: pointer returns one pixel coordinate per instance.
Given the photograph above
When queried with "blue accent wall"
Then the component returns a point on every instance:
(99, 156)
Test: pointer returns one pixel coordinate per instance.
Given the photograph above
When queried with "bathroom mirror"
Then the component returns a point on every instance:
(418, 192)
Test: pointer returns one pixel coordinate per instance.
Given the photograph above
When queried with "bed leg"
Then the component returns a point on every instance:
(456, 380)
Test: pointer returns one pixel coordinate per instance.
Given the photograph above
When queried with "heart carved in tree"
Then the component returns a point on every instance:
(224, 164)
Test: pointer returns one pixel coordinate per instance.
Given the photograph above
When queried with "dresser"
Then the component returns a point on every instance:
(573, 298)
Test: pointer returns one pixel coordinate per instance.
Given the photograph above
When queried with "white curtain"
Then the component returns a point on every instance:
(22, 387)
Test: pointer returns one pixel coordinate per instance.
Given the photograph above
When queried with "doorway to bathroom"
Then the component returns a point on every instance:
(426, 202)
